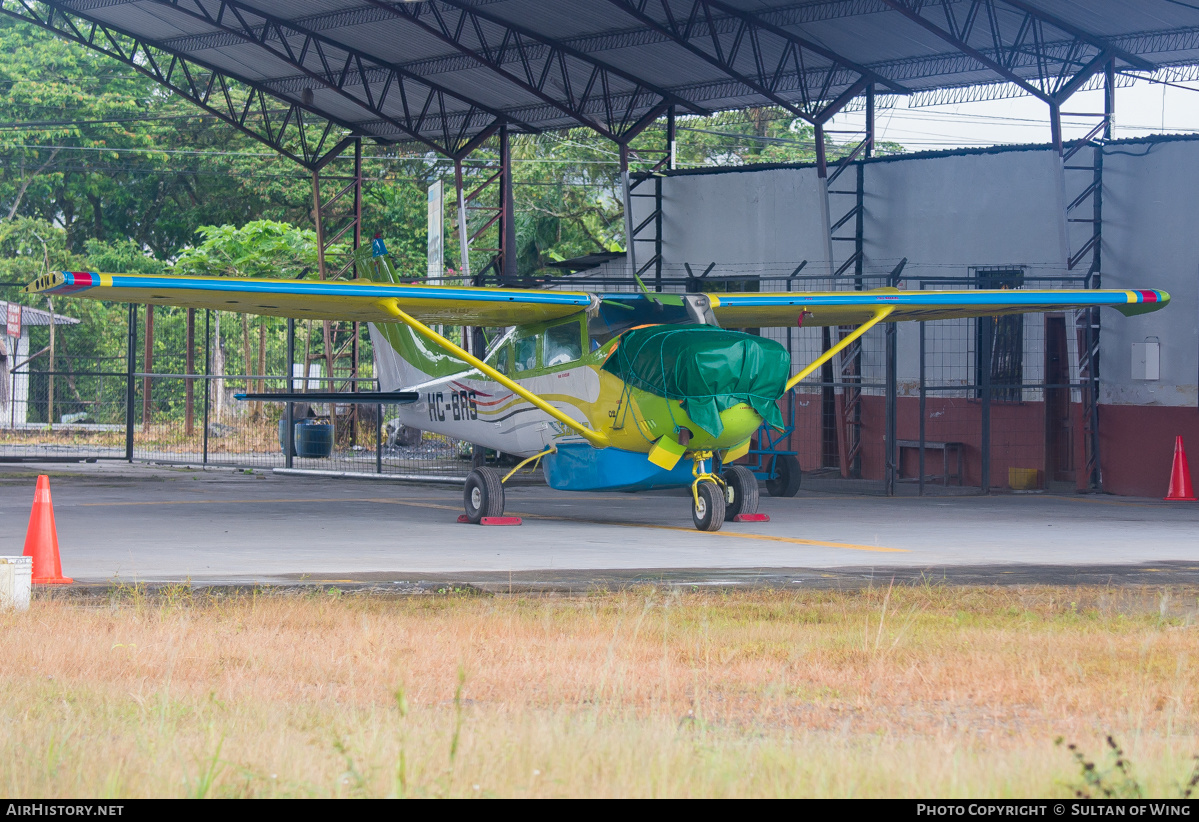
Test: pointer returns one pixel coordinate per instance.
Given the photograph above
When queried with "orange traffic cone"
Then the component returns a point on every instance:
(1180, 476)
(41, 540)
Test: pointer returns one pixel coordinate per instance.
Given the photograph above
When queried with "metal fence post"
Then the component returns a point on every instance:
(923, 413)
(289, 434)
(379, 438)
(892, 395)
(892, 454)
(207, 376)
(130, 369)
(988, 341)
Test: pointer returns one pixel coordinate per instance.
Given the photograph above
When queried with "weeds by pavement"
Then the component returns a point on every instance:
(894, 691)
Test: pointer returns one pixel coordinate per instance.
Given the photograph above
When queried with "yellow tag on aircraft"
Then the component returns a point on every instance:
(666, 452)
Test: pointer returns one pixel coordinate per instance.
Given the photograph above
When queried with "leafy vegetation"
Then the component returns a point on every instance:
(1117, 780)
(103, 170)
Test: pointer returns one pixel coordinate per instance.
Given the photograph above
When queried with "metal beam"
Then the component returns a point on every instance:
(231, 99)
(1059, 62)
(1084, 74)
(341, 69)
(1093, 39)
(722, 36)
(507, 257)
(536, 63)
(911, 10)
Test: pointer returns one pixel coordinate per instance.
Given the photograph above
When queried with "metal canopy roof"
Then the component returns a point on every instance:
(447, 73)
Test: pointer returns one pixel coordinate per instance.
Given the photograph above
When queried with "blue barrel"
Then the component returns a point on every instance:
(313, 441)
(283, 436)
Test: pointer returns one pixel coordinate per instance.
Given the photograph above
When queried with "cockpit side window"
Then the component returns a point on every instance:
(526, 353)
(563, 344)
(503, 360)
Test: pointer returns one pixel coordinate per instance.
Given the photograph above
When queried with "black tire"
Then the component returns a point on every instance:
(741, 491)
(787, 476)
(483, 495)
(709, 516)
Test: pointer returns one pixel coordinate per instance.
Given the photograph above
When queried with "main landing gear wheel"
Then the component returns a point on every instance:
(785, 482)
(484, 494)
(740, 492)
(708, 514)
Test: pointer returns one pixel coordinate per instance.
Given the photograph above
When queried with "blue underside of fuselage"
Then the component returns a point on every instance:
(579, 467)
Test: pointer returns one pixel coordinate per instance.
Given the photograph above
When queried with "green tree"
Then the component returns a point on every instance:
(103, 152)
(262, 248)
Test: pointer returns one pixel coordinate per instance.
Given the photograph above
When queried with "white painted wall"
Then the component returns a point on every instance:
(949, 213)
(1151, 239)
(16, 411)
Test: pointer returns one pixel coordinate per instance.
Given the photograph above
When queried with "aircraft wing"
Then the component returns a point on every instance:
(749, 310)
(358, 300)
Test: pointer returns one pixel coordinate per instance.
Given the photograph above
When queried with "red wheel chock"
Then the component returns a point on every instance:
(492, 520)
(752, 518)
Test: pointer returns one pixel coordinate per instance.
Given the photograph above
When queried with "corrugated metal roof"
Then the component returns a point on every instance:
(34, 316)
(443, 71)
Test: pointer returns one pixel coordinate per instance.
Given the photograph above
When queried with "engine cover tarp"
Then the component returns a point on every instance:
(707, 369)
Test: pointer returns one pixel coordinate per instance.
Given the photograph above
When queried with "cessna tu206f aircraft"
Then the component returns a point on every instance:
(615, 392)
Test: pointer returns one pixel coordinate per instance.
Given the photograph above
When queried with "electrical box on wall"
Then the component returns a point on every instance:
(1146, 360)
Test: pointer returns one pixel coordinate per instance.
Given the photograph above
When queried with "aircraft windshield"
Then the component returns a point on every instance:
(562, 344)
(620, 312)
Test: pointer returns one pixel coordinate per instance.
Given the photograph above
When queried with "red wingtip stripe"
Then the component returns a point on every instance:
(1148, 296)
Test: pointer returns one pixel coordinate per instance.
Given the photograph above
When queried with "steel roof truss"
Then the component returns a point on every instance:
(1060, 53)
(760, 22)
(543, 63)
(299, 135)
(337, 72)
(728, 38)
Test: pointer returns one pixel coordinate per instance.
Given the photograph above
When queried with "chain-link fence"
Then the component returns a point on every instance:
(63, 407)
(988, 404)
(997, 404)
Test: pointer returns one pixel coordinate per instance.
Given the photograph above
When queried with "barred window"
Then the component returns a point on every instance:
(1006, 366)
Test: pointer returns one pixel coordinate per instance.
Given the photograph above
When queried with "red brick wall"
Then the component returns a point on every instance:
(1136, 446)
(1136, 442)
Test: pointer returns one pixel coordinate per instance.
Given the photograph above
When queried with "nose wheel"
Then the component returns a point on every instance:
(708, 495)
(708, 507)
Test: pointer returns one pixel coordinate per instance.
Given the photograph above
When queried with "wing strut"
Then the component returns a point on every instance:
(878, 317)
(596, 438)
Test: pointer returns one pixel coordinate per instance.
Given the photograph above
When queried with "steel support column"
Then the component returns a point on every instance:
(891, 457)
(846, 391)
(1081, 183)
(635, 232)
(630, 244)
(923, 407)
(147, 367)
(130, 370)
(208, 380)
(337, 212)
(987, 343)
(189, 385)
(507, 258)
(463, 227)
(289, 413)
(671, 140)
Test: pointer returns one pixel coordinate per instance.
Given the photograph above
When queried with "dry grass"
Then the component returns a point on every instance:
(927, 691)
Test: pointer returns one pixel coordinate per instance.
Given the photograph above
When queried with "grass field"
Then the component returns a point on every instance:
(913, 691)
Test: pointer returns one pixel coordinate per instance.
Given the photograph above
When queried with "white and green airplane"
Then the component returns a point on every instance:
(614, 392)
